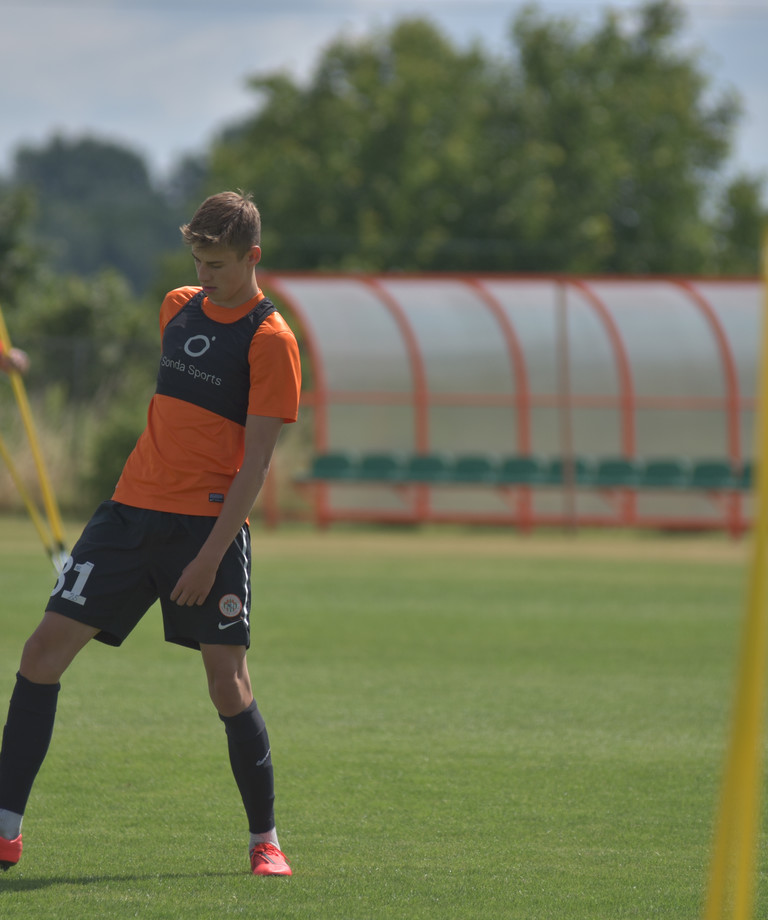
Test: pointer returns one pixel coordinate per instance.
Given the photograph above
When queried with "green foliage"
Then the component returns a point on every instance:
(366, 167)
(97, 307)
(741, 222)
(580, 151)
(19, 255)
(113, 441)
(87, 335)
(629, 141)
(97, 208)
(586, 149)
(93, 346)
(174, 269)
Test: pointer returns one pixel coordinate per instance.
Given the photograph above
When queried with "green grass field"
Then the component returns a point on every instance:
(463, 726)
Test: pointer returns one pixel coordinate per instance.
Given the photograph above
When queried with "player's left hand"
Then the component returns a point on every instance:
(195, 583)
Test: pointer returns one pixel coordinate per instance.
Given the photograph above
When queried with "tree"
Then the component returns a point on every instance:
(19, 255)
(741, 222)
(630, 140)
(93, 354)
(362, 168)
(579, 151)
(84, 334)
(97, 208)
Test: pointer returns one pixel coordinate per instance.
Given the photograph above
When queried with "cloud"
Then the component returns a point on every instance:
(165, 75)
(156, 80)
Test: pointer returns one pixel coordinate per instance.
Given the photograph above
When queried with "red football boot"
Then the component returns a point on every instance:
(10, 852)
(266, 859)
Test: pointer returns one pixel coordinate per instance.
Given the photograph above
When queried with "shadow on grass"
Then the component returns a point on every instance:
(10, 884)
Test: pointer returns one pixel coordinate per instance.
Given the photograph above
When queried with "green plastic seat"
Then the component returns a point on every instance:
(617, 472)
(575, 469)
(380, 467)
(333, 465)
(713, 474)
(474, 468)
(432, 467)
(665, 473)
(521, 470)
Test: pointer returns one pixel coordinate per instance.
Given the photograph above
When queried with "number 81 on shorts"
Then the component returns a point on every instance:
(75, 595)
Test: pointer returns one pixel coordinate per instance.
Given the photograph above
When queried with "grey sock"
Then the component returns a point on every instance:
(269, 837)
(10, 824)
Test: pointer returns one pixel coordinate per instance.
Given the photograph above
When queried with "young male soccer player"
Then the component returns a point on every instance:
(175, 528)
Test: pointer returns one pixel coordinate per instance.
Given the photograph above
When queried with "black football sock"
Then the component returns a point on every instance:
(26, 737)
(249, 755)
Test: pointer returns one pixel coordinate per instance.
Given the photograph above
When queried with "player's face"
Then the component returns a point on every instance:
(227, 279)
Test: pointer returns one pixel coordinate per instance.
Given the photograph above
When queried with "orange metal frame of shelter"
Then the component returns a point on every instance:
(705, 299)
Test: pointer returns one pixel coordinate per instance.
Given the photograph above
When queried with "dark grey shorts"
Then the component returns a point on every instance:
(127, 558)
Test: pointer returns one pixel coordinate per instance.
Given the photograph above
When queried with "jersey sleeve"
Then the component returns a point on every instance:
(275, 371)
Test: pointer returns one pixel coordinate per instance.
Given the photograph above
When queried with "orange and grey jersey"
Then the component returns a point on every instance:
(218, 365)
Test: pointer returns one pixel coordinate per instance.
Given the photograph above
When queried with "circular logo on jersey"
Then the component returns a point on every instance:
(201, 344)
(230, 606)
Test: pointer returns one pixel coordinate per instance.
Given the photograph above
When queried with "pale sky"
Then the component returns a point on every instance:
(164, 76)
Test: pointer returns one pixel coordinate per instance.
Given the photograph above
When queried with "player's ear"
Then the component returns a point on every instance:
(254, 256)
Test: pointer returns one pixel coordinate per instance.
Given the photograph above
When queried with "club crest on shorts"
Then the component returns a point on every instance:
(230, 606)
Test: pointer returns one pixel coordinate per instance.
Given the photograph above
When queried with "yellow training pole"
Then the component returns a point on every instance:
(27, 498)
(731, 888)
(49, 499)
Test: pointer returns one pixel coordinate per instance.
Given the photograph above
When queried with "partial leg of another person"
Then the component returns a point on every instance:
(31, 714)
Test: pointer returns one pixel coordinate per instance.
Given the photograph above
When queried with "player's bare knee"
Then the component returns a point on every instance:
(50, 649)
(229, 683)
(39, 660)
(229, 695)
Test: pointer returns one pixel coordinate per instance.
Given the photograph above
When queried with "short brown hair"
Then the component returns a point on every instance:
(227, 219)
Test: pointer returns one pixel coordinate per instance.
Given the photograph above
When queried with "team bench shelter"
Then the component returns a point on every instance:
(527, 400)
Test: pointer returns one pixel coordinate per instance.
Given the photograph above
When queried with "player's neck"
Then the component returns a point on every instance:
(236, 298)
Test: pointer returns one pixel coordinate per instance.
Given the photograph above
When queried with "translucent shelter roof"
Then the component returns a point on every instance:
(518, 365)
